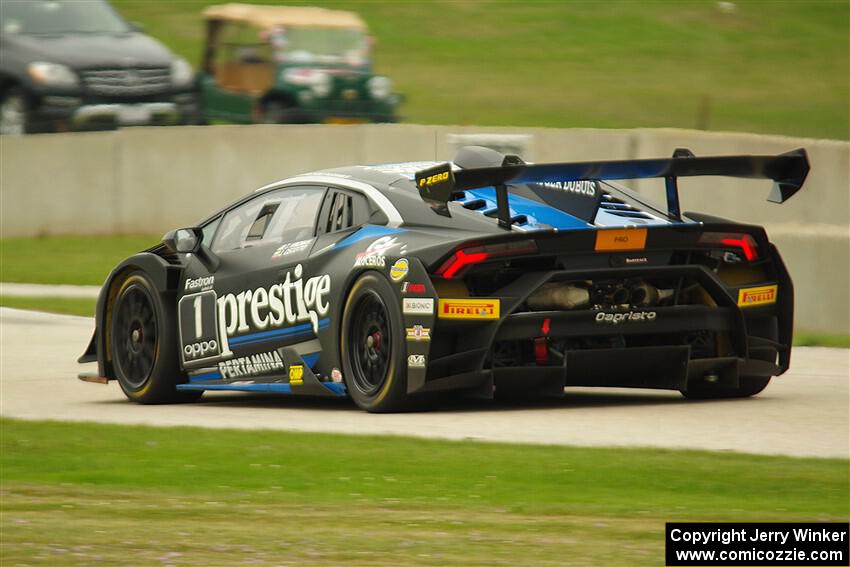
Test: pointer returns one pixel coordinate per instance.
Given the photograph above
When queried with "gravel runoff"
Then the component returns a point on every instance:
(803, 413)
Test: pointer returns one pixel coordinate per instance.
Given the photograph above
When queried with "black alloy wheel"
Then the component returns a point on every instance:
(371, 343)
(372, 346)
(143, 344)
(135, 335)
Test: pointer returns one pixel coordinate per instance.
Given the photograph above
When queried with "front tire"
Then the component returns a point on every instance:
(144, 346)
(373, 346)
(275, 111)
(16, 113)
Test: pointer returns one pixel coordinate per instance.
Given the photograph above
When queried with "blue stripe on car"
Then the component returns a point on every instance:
(265, 336)
(537, 213)
(274, 387)
(368, 231)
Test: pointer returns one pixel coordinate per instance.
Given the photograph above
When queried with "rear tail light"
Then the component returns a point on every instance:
(742, 241)
(471, 255)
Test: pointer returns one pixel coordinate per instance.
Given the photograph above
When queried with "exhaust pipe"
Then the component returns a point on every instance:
(559, 296)
(645, 295)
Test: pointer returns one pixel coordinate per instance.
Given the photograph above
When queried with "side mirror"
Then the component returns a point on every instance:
(183, 240)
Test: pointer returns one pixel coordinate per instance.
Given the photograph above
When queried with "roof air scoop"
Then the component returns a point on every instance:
(472, 157)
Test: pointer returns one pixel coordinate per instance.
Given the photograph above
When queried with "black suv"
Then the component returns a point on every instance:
(69, 65)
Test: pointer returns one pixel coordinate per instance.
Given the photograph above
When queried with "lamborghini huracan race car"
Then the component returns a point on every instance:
(484, 275)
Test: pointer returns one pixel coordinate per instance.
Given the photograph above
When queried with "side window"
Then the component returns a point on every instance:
(284, 215)
(341, 214)
(262, 222)
(209, 230)
(342, 210)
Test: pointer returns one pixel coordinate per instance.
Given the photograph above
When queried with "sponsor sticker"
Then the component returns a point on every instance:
(198, 330)
(587, 188)
(469, 309)
(417, 306)
(293, 301)
(418, 333)
(296, 375)
(627, 317)
(200, 350)
(296, 301)
(373, 256)
(336, 375)
(408, 287)
(620, 239)
(260, 363)
(398, 271)
(291, 248)
(416, 361)
(752, 296)
(204, 282)
(434, 179)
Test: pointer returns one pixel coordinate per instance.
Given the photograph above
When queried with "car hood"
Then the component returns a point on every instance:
(86, 51)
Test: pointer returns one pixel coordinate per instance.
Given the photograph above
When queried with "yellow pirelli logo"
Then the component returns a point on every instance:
(468, 309)
(433, 179)
(620, 239)
(752, 296)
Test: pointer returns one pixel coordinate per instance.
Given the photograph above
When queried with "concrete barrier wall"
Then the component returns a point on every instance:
(148, 180)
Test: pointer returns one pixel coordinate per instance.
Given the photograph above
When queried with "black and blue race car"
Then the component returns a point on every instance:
(482, 276)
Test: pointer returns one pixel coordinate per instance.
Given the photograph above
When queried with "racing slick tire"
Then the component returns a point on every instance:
(373, 348)
(747, 386)
(143, 344)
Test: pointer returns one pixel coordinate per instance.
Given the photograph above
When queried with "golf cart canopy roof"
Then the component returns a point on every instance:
(268, 17)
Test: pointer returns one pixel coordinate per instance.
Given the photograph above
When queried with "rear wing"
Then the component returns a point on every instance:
(437, 185)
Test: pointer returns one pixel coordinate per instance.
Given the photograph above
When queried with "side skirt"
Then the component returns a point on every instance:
(298, 378)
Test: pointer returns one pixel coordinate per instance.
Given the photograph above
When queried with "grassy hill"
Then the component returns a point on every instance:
(759, 66)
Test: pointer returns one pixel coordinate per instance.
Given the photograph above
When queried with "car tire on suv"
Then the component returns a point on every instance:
(16, 113)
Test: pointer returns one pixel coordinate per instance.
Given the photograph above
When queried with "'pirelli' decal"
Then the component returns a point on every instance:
(752, 296)
(469, 309)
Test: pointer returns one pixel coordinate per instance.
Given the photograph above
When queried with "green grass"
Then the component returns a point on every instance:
(66, 259)
(770, 66)
(804, 338)
(85, 492)
(62, 305)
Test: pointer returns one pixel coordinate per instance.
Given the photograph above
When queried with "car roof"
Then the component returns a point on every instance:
(268, 17)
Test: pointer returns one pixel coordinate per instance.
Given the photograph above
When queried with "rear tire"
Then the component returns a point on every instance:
(748, 386)
(143, 345)
(373, 346)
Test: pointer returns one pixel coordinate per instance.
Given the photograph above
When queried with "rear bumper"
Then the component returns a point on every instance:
(651, 349)
(661, 367)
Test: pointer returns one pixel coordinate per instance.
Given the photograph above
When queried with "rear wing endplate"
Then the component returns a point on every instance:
(437, 185)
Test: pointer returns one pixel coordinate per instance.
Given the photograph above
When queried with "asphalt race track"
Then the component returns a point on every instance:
(804, 413)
